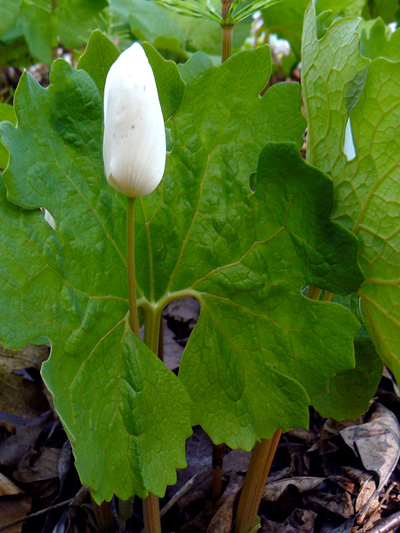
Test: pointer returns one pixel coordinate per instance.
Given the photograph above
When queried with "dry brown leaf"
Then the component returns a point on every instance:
(377, 442)
(274, 489)
(19, 396)
(8, 488)
(12, 508)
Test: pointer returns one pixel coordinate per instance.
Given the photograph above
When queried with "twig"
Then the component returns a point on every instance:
(387, 525)
(34, 515)
(378, 508)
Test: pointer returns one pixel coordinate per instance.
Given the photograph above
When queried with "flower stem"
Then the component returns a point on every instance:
(151, 508)
(130, 252)
(257, 473)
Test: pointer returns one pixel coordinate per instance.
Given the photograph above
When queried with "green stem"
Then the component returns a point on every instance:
(130, 256)
(151, 508)
(256, 476)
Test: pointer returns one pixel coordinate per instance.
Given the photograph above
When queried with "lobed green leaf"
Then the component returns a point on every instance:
(339, 84)
(126, 414)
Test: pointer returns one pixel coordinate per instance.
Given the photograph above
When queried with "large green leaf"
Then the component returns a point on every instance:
(368, 185)
(244, 353)
(254, 319)
(126, 414)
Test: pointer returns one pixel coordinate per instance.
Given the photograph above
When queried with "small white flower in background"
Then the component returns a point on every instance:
(134, 148)
(281, 47)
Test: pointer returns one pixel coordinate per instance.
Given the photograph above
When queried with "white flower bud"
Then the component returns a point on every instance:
(134, 146)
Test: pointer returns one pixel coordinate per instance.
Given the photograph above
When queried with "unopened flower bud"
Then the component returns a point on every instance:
(134, 146)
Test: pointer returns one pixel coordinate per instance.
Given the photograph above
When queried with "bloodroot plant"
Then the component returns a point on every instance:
(261, 238)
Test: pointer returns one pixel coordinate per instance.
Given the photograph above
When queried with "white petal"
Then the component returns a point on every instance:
(134, 146)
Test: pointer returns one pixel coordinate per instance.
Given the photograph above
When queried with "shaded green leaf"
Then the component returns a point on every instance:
(378, 42)
(389, 10)
(351, 391)
(99, 55)
(76, 19)
(148, 21)
(168, 80)
(9, 10)
(39, 28)
(44, 23)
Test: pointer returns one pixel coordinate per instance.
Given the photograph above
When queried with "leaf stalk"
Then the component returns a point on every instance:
(256, 476)
(151, 507)
(130, 253)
